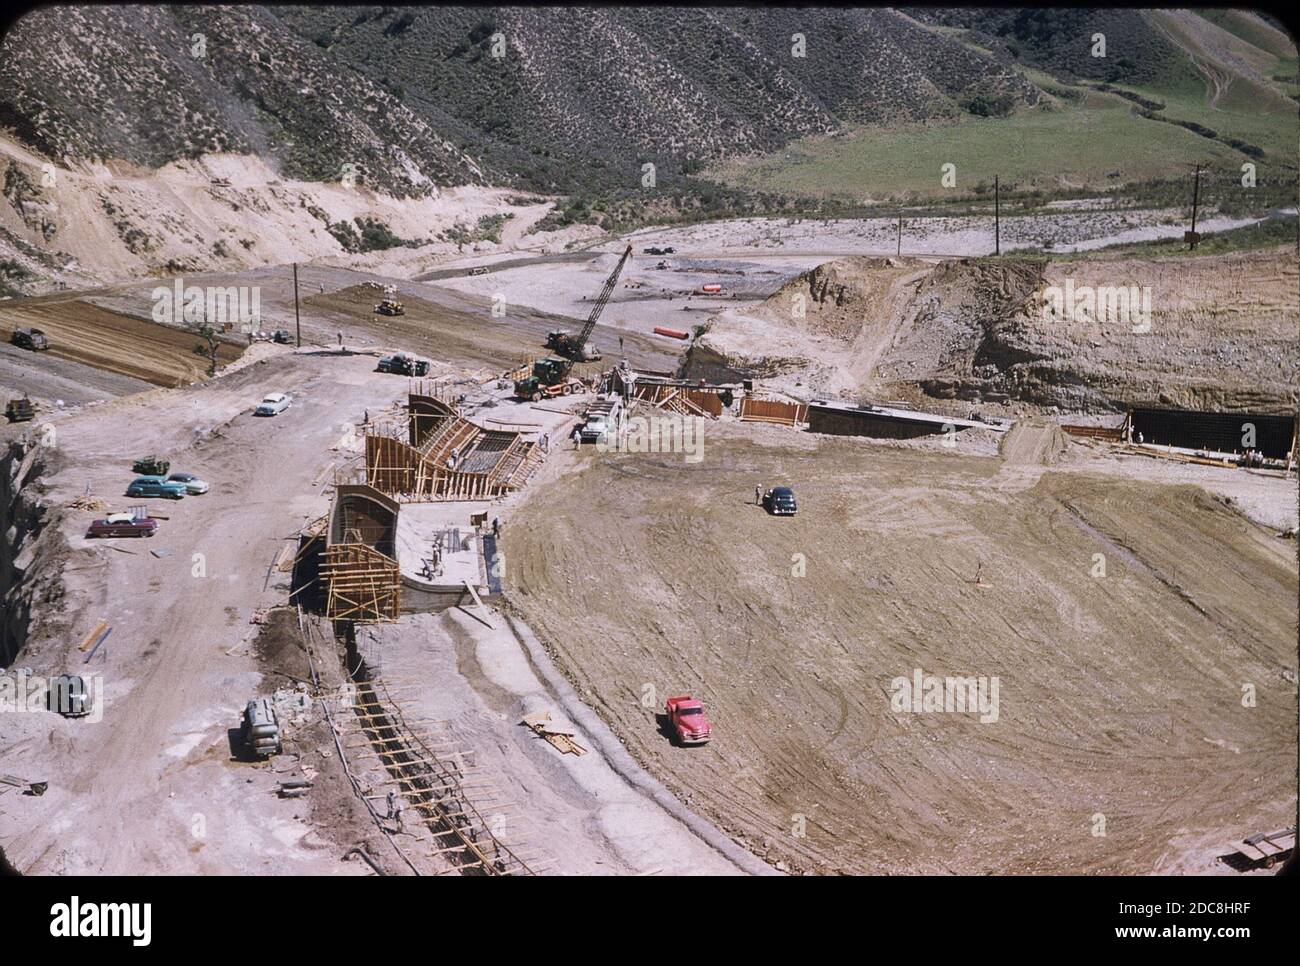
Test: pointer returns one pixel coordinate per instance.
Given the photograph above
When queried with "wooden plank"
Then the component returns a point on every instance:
(90, 638)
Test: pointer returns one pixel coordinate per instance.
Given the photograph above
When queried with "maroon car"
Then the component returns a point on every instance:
(123, 525)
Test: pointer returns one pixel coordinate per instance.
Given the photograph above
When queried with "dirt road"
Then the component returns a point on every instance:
(1122, 620)
(151, 788)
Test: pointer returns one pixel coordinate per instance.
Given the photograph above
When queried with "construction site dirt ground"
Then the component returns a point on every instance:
(1126, 613)
(160, 784)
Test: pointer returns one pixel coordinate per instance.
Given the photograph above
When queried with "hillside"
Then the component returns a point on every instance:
(142, 114)
(1221, 333)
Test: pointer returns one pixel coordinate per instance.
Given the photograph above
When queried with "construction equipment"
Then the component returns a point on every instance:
(577, 349)
(13, 781)
(1266, 849)
(390, 307)
(403, 365)
(262, 728)
(20, 410)
(602, 419)
(550, 377)
(151, 466)
(33, 339)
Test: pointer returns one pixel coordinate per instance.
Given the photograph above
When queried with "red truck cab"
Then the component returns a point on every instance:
(686, 715)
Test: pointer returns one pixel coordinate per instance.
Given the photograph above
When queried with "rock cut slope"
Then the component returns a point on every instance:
(1220, 332)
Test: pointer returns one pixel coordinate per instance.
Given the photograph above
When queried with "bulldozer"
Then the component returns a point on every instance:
(390, 307)
(20, 410)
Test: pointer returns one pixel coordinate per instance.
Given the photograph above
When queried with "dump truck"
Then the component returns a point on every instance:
(20, 410)
(403, 365)
(33, 339)
(262, 728)
(550, 377)
(601, 420)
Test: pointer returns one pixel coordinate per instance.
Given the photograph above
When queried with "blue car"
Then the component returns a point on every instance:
(156, 486)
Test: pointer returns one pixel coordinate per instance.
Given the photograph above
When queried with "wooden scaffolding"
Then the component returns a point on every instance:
(364, 584)
(437, 454)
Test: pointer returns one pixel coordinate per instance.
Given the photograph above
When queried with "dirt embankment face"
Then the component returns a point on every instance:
(1078, 335)
(1120, 687)
(23, 517)
(82, 332)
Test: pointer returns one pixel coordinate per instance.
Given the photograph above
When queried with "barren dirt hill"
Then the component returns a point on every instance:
(1220, 332)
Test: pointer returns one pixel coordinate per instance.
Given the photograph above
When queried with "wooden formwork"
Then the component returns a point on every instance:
(363, 584)
(773, 411)
(435, 469)
(419, 767)
(680, 399)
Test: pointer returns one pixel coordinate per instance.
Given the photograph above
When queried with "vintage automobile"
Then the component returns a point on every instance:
(123, 525)
(156, 486)
(273, 404)
(779, 501)
(686, 716)
(193, 485)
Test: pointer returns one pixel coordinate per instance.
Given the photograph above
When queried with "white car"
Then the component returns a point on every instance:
(193, 485)
(274, 404)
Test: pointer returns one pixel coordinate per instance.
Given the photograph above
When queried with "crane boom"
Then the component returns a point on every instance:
(601, 301)
(576, 349)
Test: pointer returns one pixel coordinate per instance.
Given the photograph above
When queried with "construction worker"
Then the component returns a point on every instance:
(496, 526)
(758, 494)
(577, 437)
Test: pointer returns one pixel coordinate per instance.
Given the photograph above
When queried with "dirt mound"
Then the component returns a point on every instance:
(1202, 332)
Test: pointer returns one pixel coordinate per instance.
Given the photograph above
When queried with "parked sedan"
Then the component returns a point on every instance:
(123, 525)
(779, 501)
(273, 405)
(193, 485)
(156, 486)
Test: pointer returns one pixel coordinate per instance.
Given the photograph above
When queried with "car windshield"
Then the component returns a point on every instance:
(686, 711)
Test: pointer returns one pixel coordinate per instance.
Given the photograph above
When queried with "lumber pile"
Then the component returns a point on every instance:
(560, 736)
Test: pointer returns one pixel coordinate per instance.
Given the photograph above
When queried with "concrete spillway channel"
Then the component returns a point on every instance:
(422, 790)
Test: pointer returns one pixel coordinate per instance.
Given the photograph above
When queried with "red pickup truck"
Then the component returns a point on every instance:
(686, 715)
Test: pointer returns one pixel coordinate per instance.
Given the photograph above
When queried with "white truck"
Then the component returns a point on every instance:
(601, 421)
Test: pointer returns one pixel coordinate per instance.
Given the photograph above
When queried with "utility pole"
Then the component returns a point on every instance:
(1192, 237)
(297, 320)
(997, 218)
